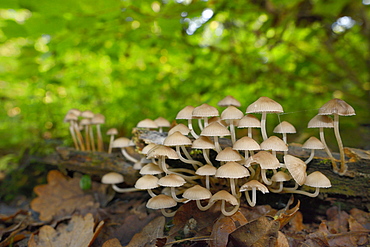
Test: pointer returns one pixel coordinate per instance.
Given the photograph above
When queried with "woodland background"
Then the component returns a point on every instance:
(131, 60)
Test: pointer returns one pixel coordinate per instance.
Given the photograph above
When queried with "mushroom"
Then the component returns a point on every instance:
(89, 114)
(285, 128)
(111, 132)
(206, 170)
(249, 121)
(205, 144)
(225, 196)
(253, 185)
(147, 182)
(266, 161)
(114, 178)
(181, 128)
(85, 124)
(232, 170)
(122, 143)
(280, 177)
(172, 181)
(186, 113)
(316, 180)
(274, 144)
(204, 111)
(229, 101)
(338, 107)
(162, 202)
(162, 123)
(296, 168)
(247, 144)
(215, 129)
(98, 120)
(151, 169)
(312, 143)
(264, 105)
(198, 193)
(230, 114)
(162, 152)
(228, 154)
(147, 124)
(71, 119)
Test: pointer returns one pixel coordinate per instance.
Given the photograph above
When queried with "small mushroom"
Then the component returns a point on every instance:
(198, 193)
(147, 182)
(230, 114)
(204, 112)
(122, 143)
(225, 196)
(186, 113)
(233, 171)
(172, 181)
(215, 130)
(162, 123)
(206, 170)
(115, 178)
(98, 120)
(162, 202)
(312, 143)
(111, 132)
(253, 185)
(249, 121)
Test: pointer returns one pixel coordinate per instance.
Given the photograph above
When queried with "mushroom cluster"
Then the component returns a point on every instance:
(229, 164)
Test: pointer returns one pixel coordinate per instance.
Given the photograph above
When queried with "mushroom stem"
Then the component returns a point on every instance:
(73, 134)
(343, 166)
(151, 193)
(292, 188)
(100, 138)
(127, 156)
(252, 202)
(232, 186)
(87, 139)
(123, 190)
(167, 214)
(206, 157)
(311, 156)
(207, 182)
(322, 139)
(263, 126)
(173, 194)
(206, 207)
(200, 124)
(192, 132)
(217, 144)
(194, 163)
(232, 131)
(79, 137)
(316, 193)
(250, 133)
(228, 213)
(277, 190)
(264, 178)
(110, 144)
(92, 141)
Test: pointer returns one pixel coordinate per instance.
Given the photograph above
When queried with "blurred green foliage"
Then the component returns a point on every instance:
(132, 60)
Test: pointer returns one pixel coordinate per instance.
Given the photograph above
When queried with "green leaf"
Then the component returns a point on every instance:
(85, 182)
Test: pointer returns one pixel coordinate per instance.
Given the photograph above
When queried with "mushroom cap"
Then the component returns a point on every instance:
(246, 143)
(70, 116)
(176, 139)
(296, 167)
(185, 113)
(147, 123)
(98, 119)
(224, 195)
(284, 127)
(228, 101)
(197, 192)
(321, 121)
(337, 106)
(87, 114)
(232, 170)
(203, 142)
(313, 143)
(147, 182)
(122, 142)
(162, 122)
(215, 129)
(280, 176)
(264, 104)
(112, 178)
(228, 154)
(85, 121)
(254, 184)
(183, 129)
(231, 112)
(249, 121)
(171, 180)
(265, 159)
(274, 143)
(205, 110)
(161, 201)
(148, 147)
(75, 112)
(151, 169)
(112, 131)
(162, 151)
(317, 180)
(206, 170)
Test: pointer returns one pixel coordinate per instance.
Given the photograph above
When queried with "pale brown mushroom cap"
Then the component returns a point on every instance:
(215, 129)
(228, 154)
(224, 195)
(232, 170)
(264, 104)
(185, 113)
(254, 184)
(274, 143)
(87, 114)
(197, 192)
(296, 167)
(85, 121)
(70, 116)
(112, 178)
(265, 159)
(317, 180)
(176, 139)
(162, 151)
(148, 147)
(183, 129)
(98, 119)
(231, 112)
(280, 176)
(147, 182)
(75, 112)
(162, 122)
(321, 121)
(284, 127)
(206, 170)
(313, 143)
(112, 131)
(150, 169)
(161, 201)
(122, 142)
(337, 106)
(246, 143)
(228, 101)
(205, 110)
(203, 142)
(147, 123)
(249, 121)
(171, 180)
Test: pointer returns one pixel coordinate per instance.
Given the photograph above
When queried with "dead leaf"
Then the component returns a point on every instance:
(260, 232)
(361, 217)
(112, 243)
(296, 222)
(224, 226)
(79, 232)
(61, 196)
(148, 236)
(286, 214)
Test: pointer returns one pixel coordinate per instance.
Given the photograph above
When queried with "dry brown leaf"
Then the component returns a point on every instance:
(112, 243)
(78, 233)
(148, 236)
(286, 214)
(61, 196)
